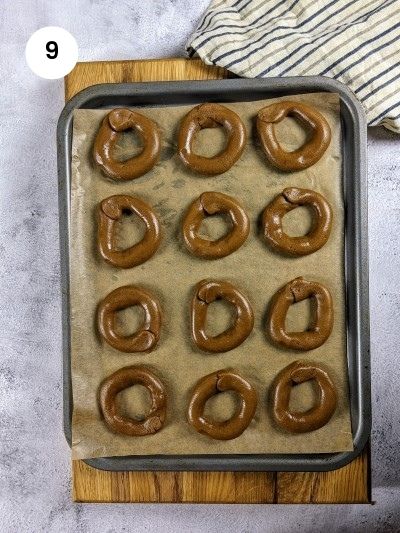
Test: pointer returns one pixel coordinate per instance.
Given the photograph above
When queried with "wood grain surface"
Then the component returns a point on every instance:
(87, 74)
(346, 485)
(350, 484)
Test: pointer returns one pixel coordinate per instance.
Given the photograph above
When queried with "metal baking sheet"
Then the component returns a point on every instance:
(356, 255)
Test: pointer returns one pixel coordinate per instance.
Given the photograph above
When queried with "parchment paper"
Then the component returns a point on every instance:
(172, 274)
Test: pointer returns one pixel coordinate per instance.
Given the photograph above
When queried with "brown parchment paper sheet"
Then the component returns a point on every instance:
(172, 273)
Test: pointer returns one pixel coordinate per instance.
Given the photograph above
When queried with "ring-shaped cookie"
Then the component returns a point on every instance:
(319, 414)
(222, 381)
(121, 380)
(213, 203)
(109, 212)
(113, 124)
(208, 291)
(211, 116)
(310, 152)
(148, 334)
(321, 327)
(285, 202)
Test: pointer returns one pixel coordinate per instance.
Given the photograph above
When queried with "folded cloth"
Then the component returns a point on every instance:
(354, 41)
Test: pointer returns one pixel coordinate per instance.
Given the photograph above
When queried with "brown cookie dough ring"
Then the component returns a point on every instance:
(212, 203)
(123, 379)
(109, 212)
(113, 124)
(319, 414)
(306, 155)
(221, 381)
(211, 116)
(285, 202)
(147, 336)
(208, 291)
(295, 291)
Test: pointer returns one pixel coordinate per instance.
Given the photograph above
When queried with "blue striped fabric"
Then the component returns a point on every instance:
(354, 41)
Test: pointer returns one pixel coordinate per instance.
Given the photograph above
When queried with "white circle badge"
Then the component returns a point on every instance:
(51, 52)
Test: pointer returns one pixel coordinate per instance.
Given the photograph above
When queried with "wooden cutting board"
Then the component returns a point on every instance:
(350, 484)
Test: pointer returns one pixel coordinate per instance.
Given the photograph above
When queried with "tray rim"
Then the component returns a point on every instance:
(353, 119)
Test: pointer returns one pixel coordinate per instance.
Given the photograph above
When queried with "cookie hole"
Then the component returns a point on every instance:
(220, 317)
(298, 222)
(210, 142)
(215, 227)
(134, 402)
(222, 406)
(303, 396)
(291, 133)
(129, 144)
(300, 316)
(129, 230)
(129, 320)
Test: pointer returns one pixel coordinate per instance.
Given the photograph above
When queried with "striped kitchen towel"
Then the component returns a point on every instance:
(354, 41)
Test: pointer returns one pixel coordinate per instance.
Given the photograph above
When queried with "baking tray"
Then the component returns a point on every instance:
(356, 255)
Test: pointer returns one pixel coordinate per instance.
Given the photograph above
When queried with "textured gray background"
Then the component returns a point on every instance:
(34, 458)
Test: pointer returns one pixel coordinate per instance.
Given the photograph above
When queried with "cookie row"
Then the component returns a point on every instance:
(210, 115)
(215, 383)
(207, 204)
(206, 292)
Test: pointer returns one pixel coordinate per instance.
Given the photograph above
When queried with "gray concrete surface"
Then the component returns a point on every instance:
(34, 458)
